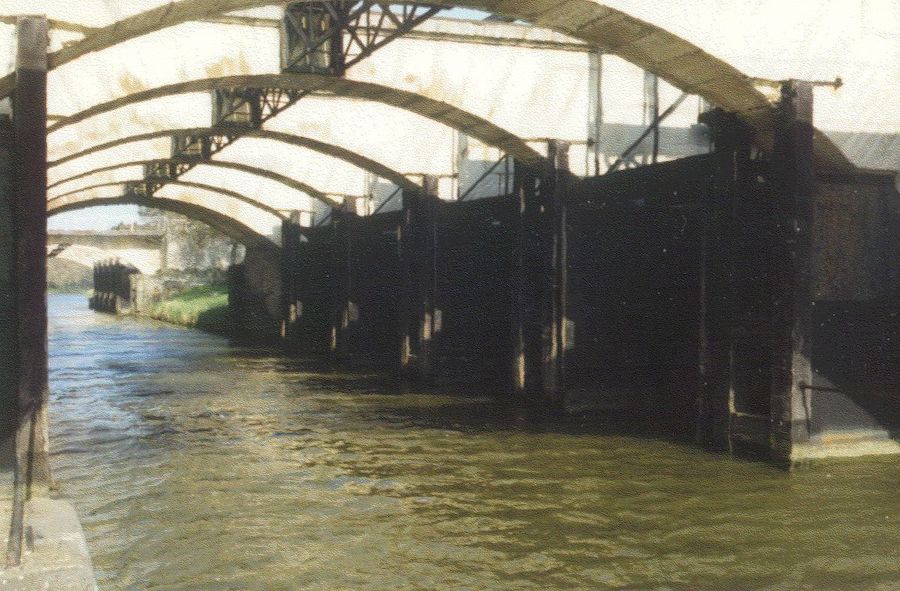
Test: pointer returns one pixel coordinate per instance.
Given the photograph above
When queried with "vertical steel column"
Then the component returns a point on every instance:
(731, 140)
(406, 254)
(525, 362)
(794, 179)
(539, 322)
(554, 197)
(419, 323)
(343, 222)
(32, 473)
(290, 259)
(595, 114)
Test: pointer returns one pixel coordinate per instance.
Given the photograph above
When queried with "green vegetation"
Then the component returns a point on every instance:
(205, 308)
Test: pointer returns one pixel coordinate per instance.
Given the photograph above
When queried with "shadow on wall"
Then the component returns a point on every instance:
(856, 317)
(856, 384)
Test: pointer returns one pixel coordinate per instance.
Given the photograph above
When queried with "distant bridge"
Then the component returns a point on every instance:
(143, 249)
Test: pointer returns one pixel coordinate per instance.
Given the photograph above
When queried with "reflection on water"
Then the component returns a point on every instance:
(197, 465)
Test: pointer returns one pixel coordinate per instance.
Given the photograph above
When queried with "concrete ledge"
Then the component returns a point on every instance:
(56, 556)
(844, 448)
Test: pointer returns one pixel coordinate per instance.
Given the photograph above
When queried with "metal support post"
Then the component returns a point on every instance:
(419, 317)
(291, 232)
(794, 179)
(32, 470)
(731, 140)
(344, 313)
(540, 328)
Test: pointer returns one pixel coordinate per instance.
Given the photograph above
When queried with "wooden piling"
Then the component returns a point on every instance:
(341, 269)
(30, 132)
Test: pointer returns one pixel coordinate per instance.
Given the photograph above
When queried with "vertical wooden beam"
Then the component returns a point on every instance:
(419, 322)
(794, 179)
(731, 140)
(405, 312)
(9, 388)
(32, 472)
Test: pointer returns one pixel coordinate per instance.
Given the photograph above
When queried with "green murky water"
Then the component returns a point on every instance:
(196, 465)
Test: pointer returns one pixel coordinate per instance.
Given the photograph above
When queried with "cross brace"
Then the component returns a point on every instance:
(328, 37)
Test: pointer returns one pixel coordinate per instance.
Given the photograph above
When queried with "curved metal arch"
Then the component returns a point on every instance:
(261, 172)
(226, 192)
(454, 117)
(671, 57)
(349, 156)
(228, 226)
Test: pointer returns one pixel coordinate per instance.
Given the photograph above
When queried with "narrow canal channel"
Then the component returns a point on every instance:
(199, 465)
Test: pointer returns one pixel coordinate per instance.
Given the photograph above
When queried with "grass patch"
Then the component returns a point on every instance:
(205, 308)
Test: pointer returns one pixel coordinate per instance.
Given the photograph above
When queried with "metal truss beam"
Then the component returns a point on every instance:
(170, 169)
(347, 31)
(138, 190)
(204, 135)
(330, 36)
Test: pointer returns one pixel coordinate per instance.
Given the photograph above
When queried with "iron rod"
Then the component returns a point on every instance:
(482, 177)
(647, 132)
(388, 200)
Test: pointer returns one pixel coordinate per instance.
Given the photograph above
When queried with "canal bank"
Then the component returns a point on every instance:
(55, 555)
(199, 465)
(184, 300)
(203, 308)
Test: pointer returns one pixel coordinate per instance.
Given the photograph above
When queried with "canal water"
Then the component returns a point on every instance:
(198, 465)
